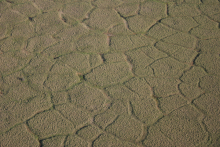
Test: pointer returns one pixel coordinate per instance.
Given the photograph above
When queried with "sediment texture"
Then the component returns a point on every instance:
(102, 73)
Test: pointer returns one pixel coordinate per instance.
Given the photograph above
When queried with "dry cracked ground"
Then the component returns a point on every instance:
(119, 73)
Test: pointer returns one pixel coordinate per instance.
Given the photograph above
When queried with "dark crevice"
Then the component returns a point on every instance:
(31, 18)
(41, 144)
(103, 58)
(55, 57)
(64, 19)
(110, 123)
(83, 77)
(197, 107)
(81, 129)
(65, 140)
(184, 73)
(131, 109)
(31, 132)
(69, 98)
(20, 79)
(120, 15)
(88, 14)
(167, 10)
(146, 32)
(158, 120)
(180, 91)
(92, 144)
(9, 1)
(194, 60)
(139, 9)
(153, 71)
(109, 41)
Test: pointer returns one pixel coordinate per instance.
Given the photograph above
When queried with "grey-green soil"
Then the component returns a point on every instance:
(109, 73)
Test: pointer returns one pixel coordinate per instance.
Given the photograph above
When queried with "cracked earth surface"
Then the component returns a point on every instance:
(97, 73)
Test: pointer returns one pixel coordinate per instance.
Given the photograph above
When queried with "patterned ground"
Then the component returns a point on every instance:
(119, 73)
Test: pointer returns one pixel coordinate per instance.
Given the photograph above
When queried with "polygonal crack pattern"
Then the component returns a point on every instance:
(102, 73)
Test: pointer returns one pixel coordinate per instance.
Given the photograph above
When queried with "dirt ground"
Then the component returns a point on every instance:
(109, 73)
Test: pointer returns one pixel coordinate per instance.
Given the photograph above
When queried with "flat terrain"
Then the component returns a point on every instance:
(109, 73)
